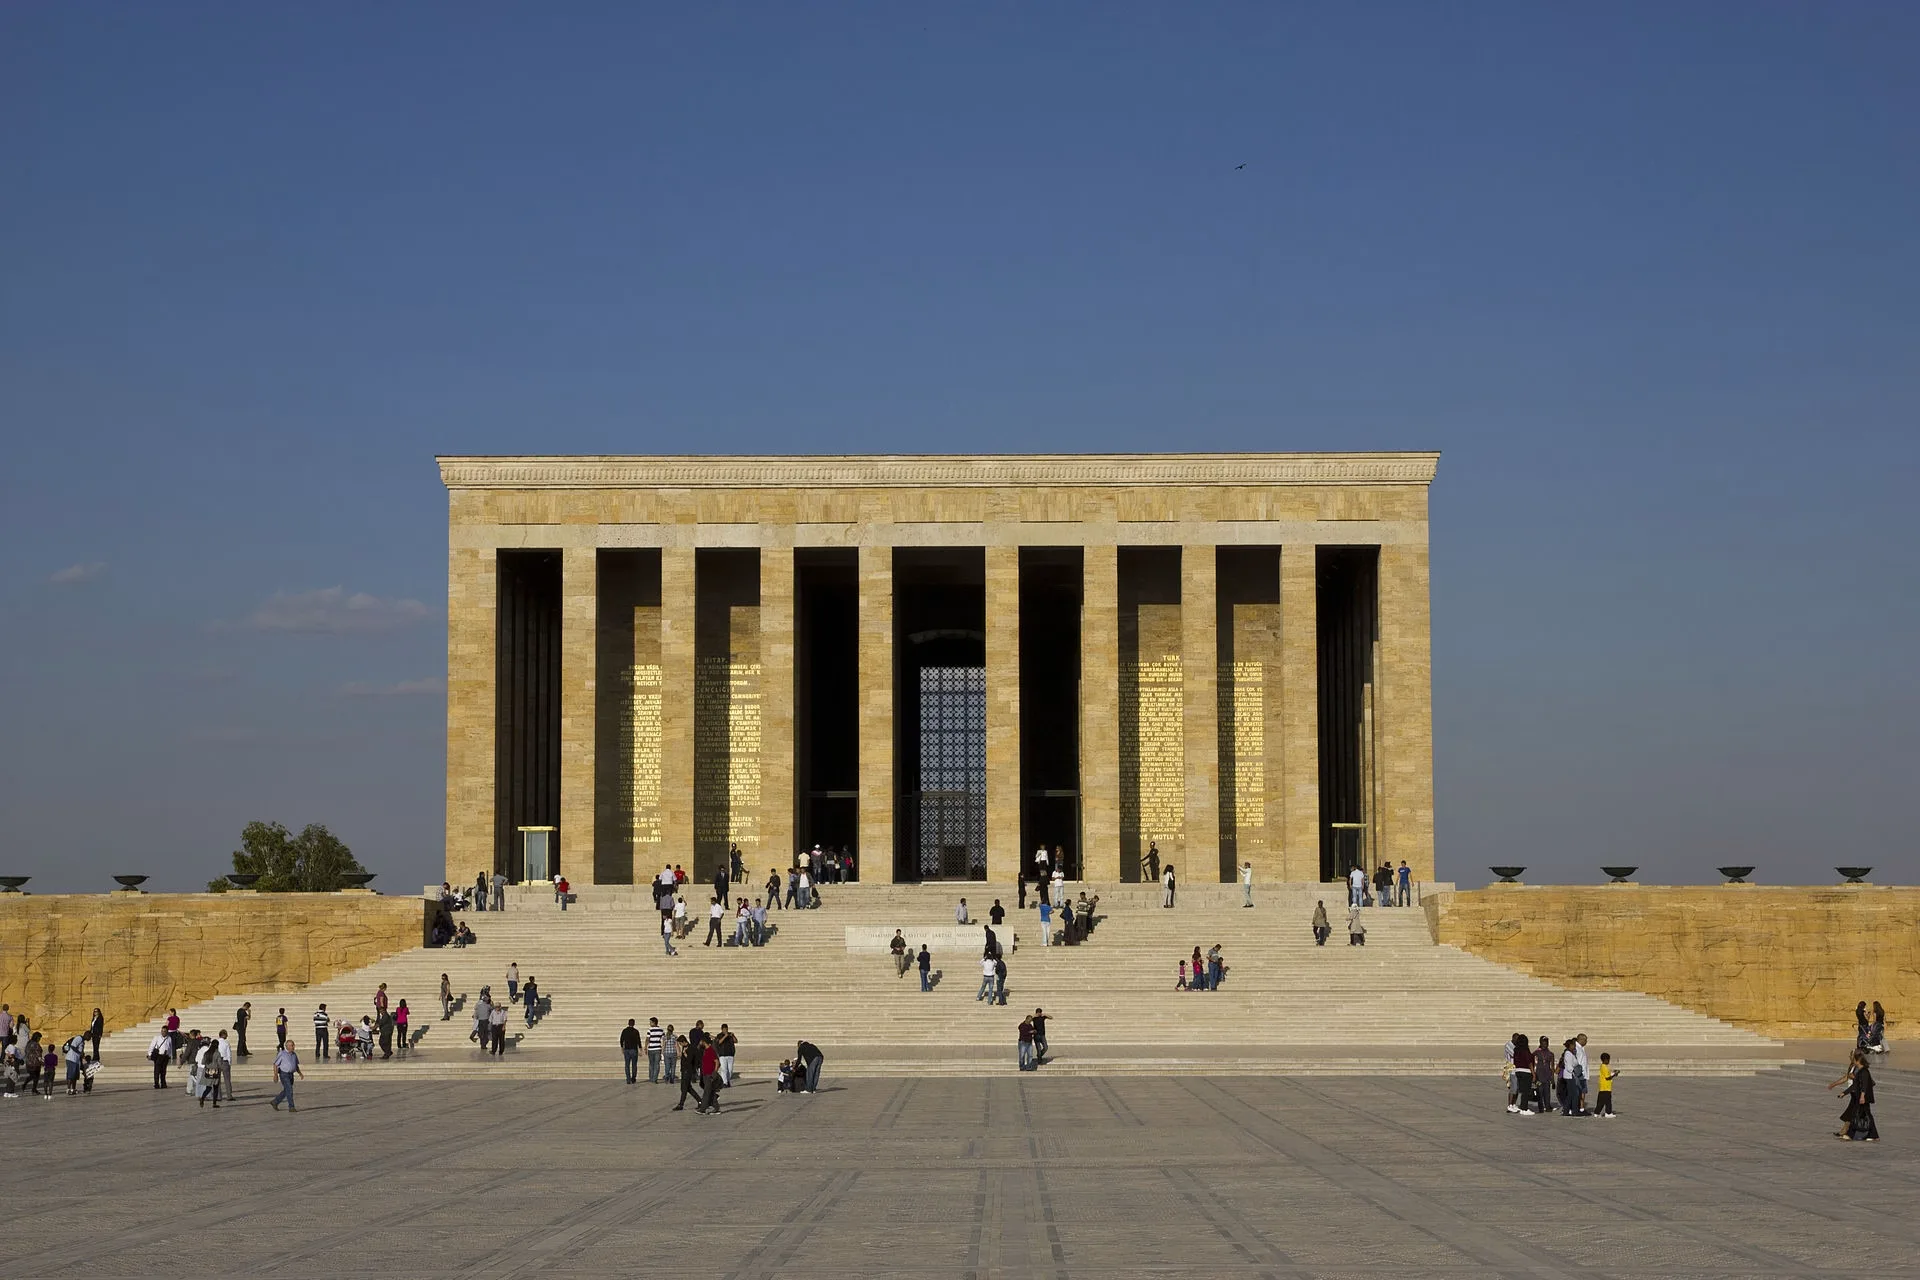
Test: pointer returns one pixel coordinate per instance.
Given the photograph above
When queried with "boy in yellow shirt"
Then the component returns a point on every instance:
(1603, 1100)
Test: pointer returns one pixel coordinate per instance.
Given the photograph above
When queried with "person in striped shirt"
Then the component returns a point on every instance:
(322, 1029)
(656, 1040)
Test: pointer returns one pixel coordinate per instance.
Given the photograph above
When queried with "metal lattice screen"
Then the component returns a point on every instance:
(951, 823)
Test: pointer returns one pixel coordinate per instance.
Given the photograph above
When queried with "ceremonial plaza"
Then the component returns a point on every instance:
(1201, 684)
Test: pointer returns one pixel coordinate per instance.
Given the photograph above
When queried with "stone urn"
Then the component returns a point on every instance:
(243, 879)
(1620, 875)
(1854, 875)
(11, 884)
(1736, 875)
(1508, 875)
(357, 883)
(131, 884)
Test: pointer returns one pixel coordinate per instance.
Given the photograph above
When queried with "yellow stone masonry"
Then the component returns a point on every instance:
(1786, 962)
(135, 955)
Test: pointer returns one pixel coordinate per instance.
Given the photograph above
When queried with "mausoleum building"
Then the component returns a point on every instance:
(939, 663)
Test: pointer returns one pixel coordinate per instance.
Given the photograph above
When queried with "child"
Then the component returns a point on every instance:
(785, 1082)
(1182, 984)
(1603, 1101)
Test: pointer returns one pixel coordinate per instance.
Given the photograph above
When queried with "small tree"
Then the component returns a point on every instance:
(312, 862)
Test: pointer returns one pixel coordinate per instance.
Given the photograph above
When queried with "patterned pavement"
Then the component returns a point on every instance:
(1030, 1176)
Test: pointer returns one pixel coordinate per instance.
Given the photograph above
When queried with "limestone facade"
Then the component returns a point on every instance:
(683, 707)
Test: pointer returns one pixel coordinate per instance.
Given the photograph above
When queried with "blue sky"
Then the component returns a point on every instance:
(1645, 273)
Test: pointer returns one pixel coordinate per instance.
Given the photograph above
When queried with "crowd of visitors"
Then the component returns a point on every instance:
(1540, 1078)
(1202, 973)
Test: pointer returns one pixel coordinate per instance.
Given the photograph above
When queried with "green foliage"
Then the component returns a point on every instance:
(312, 862)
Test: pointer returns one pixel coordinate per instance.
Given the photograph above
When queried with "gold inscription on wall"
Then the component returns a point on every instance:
(1152, 736)
(640, 783)
(726, 694)
(1244, 744)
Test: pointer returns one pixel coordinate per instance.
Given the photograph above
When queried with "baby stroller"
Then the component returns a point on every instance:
(352, 1044)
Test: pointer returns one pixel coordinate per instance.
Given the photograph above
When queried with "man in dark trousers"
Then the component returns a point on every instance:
(809, 1056)
(998, 914)
(630, 1050)
(689, 1076)
(1000, 976)
(721, 883)
(709, 1080)
(926, 968)
(1039, 1036)
(242, 1016)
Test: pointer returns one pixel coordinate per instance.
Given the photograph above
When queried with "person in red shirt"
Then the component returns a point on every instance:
(560, 892)
(710, 1079)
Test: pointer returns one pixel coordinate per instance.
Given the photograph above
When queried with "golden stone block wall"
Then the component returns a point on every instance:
(875, 852)
(1200, 666)
(727, 738)
(134, 955)
(1100, 713)
(1299, 715)
(579, 668)
(677, 725)
(1152, 735)
(627, 719)
(472, 591)
(1003, 712)
(1785, 962)
(1250, 740)
(776, 704)
(1403, 737)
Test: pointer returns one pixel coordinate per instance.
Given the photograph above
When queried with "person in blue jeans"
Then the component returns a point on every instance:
(1406, 885)
(1046, 923)
(286, 1065)
(926, 968)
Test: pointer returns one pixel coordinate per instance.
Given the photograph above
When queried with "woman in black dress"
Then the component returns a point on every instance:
(1856, 1122)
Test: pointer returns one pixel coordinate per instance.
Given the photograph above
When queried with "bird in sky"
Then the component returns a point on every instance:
(1239, 166)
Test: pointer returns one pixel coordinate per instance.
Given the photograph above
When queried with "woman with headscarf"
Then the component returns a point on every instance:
(1877, 1030)
(1520, 1099)
(1860, 1028)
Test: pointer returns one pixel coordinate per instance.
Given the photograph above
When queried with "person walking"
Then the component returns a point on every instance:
(926, 968)
(724, 1045)
(483, 1019)
(986, 979)
(513, 982)
(207, 1063)
(1856, 1122)
(714, 912)
(1000, 979)
(446, 999)
(666, 934)
(689, 1078)
(160, 1053)
(1356, 888)
(401, 1017)
(499, 891)
(773, 889)
(996, 914)
(1199, 971)
(1519, 1075)
(709, 1080)
(898, 948)
(630, 1050)
(286, 1065)
(280, 1029)
(1039, 1021)
(1603, 1096)
(1046, 923)
(1322, 929)
(1356, 928)
(530, 999)
(655, 1038)
(1167, 886)
(497, 1030)
(480, 891)
(1544, 1070)
(670, 1052)
(322, 1027)
(1025, 1038)
(1246, 884)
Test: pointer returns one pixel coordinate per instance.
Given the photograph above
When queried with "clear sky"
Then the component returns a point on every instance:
(1647, 274)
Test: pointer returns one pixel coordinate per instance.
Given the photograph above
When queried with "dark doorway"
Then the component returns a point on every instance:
(1050, 586)
(1347, 596)
(526, 705)
(626, 725)
(826, 697)
(939, 619)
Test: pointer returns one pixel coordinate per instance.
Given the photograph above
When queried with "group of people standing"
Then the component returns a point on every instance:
(1207, 972)
(490, 1015)
(31, 1058)
(1538, 1078)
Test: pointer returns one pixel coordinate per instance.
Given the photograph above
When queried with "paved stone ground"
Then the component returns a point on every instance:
(1061, 1177)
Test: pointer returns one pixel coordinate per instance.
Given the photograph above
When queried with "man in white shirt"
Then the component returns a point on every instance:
(960, 913)
(1042, 864)
(986, 978)
(160, 1053)
(715, 912)
(499, 891)
(1246, 884)
(1356, 887)
(286, 1065)
(225, 1046)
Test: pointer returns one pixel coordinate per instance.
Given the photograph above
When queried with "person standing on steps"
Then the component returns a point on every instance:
(286, 1065)
(1356, 888)
(401, 1018)
(513, 982)
(630, 1050)
(1039, 1036)
(480, 892)
(810, 1058)
(1152, 860)
(899, 949)
(322, 1025)
(446, 999)
(722, 886)
(496, 1034)
(1322, 929)
(530, 999)
(280, 1029)
(1167, 886)
(960, 913)
(773, 889)
(1020, 883)
(1025, 1038)
(986, 979)
(1000, 978)
(996, 914)
(499, 891)
(1046, 921)
(1246, 884)
(666, 934)
(926, 968)
(714, 913)
(1406, 885)
(1356, 928)
(655, 1040)
(724, 1045)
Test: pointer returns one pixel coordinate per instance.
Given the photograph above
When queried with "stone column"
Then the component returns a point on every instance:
(1003, 713)
(472, 603)
(776, 704)
(1200, 677)
(1300, 713)
(876, 715)
(676, 705)
(1403, 739)
(1100, 712)
(579, 637)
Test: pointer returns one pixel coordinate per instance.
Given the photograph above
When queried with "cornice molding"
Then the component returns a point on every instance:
(937, 471)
